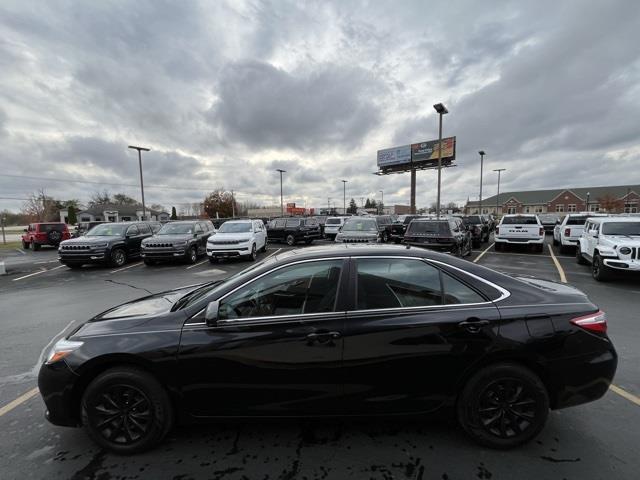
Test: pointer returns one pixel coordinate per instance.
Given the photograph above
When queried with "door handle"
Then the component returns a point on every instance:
(323, 337)
(473, 325)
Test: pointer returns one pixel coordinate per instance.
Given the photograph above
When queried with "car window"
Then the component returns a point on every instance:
(457, 292)
(144, 228)
(438, 227)
(396, 283)
(279, 223)
(133, 231)
(293, 222)
(48, 227)
(295, 290)
(198, 228)
(576, 220)
(621, 228)
(520, 220)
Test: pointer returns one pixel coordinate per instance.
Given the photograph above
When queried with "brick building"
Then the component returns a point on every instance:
(614, 199)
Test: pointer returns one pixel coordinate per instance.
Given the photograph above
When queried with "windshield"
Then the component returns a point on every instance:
(235, 227)
(548, 218)
(176, 229)
(107, 230)
(360, 225)
(576, 220)
(333, 221)
(519, 221)
(429, 228)
(472, 220)
(621, 228)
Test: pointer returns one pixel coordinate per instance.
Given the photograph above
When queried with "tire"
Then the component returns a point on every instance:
(118, 257)
(476, 244)
(291, 240)
(54, 237)
(555, 242)
(131, 429)
(486, 239)
(149, 263)
(74, 266)
(503, 406)
(254, 254)
(599, 270)
(385, 236)
(264, 247)
(191, 256)
(539, 248)
(213, 260)
(25, 245)
(36, 246)
(580, 260)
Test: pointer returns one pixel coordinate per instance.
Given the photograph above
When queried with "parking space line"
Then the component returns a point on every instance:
(623, 393)
(18, 401)
(44, 270)
(126, 268)
(196, 264)
(269, 256)
(563, 277)
(475, 260)
(19, 251)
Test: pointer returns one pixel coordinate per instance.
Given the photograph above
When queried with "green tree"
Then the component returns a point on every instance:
(71, 215)
(173, 213)
(353, 207)
(367, 204)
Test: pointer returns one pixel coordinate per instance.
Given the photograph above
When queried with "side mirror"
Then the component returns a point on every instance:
(211, 313)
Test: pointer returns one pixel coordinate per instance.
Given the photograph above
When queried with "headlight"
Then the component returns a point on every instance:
(61, 349)
(100, 245)
(625, 250)
(179, 244)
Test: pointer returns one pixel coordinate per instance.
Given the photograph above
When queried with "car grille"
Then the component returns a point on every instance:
(358, 240)
(75, 247)
(158, 245)
(635, 253)
(224, 242)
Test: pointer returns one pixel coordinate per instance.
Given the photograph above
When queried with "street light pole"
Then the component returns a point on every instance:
(281, 197)
(588, 201)
(141, 149)
(499, 170)
(382, 202)
(482, 154)
(344, 196)
(442, 110)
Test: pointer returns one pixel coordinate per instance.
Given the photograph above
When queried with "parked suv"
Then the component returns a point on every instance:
(478, 227)
(444, 235)
(332, 226)
(184, 240)
(519, 229)
(293, 230)
(237, 238)
(359, 230)
(109, 243)
(568, 231)
(384, 226)
(50, 233)
(610, 244)
(400, 226)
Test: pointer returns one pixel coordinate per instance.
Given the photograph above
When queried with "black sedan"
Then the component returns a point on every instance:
(340, 330)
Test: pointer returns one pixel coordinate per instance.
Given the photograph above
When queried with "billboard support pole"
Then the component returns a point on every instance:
(413, 191)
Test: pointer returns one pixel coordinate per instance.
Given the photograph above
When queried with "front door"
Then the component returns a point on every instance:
(276, 348)
(406, 346)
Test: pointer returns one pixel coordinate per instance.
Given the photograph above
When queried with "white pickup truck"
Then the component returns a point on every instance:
(568, 230)
(519, 229)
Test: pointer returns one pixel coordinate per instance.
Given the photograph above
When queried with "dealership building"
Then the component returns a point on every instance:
(615, 199)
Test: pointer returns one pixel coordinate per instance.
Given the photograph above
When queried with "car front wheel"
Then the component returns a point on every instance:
(291, 240)
(118, 257)
(254, 253)
(599, 270)
(126, 410)
(503, 406)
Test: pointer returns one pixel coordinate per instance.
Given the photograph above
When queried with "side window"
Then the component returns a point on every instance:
(396, 283)
(133, 231)
(144, 229)
(457, 292)
(293, 223)
(198, 228)
(279, 223)
(305, 288)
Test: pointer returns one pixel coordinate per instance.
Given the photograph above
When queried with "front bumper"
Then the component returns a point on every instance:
(621, 264)
(56, 383)
(163, 253)
(232, 251)
(89, 256)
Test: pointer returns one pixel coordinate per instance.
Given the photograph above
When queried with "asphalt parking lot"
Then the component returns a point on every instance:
(39, 298)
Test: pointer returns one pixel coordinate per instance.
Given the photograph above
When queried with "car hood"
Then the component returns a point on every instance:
(90, 240)
(241, 237)
(168, 238)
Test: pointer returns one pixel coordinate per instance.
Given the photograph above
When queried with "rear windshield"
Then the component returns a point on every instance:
(333, 221)
(360, 225)
(519, 221)
(576, 220)
(47, 227)
(429, 227)
(548, 218)
(621, 228)
(472, 220)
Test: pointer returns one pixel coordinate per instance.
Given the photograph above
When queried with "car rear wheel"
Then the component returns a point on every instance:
(579, 258)
(126, 410)
(25, 245)
(599, 270)
(264, 247)
(499, 247)
(503, 406)
(118, 257)
(291, 240)
(563, 249)
(385, 236)
(555, 242)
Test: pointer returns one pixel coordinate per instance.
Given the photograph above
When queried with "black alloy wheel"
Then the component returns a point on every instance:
(264, 247)
(291, 240)
(385, 236)
(503, 406)
(192, 255)
(579, 258)
(599, 270)
(254, 253)
(118, 257)
(126, 410)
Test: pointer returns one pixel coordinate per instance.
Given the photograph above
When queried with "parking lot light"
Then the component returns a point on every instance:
(344, 196)
(482, 154)
(141, 149)
(441, 110)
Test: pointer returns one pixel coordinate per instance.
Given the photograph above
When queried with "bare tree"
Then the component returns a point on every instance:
(40, 208)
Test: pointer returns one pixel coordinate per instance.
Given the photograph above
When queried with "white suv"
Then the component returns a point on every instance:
(237, 238)
(609, 244)
(332, 226)
(568, 230)
(519, 229)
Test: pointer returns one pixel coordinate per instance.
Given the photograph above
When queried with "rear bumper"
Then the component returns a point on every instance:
(56, 383)
(569, 242)
(519, 241)
(439, 247)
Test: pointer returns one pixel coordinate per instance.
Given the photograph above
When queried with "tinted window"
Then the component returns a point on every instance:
(306, 288)
(576, 220)
(360, 225)
(437, 228)
(293, 222)
(474, 219)
(235, 227)
(384, 220)
(518, 220)
(133, 231)
(144, 229)
(155, 227)
(198, 228)
(621, 228)
(176, 229)
(457, 292)
(396, 283)
(333, 221)
(106, 230)
(47, 227)
(279, 223)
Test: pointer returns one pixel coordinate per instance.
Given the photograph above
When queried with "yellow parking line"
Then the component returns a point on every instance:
(563, 277)
(475, 260)
(126, 268)
(196, 264)
(18, 401)
(623, 393)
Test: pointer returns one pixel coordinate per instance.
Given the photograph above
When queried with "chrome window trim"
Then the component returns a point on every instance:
(276, 319)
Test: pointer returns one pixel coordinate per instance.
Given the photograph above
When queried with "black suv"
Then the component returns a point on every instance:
(400, 226)
(444, 235)
(109, 243)
(184, 240)
(478, 227)
(384, 227)
(293, 230)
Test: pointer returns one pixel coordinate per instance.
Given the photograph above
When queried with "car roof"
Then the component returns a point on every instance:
(614, 219)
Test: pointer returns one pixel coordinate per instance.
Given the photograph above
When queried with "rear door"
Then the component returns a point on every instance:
(411, 333)
(276, 349)
(133, 240)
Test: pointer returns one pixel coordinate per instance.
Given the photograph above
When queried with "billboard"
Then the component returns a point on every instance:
(417, 155)
(390, 157)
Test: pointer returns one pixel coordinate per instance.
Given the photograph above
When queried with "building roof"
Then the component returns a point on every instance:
(123, 210)
(539, 197)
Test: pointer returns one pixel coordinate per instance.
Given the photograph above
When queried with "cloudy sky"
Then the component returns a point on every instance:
(226, 92)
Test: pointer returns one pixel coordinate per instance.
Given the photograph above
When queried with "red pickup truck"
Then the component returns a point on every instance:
(38, 234)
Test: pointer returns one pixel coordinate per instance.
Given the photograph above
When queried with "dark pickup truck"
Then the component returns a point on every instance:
(400, 226)
(293, 230)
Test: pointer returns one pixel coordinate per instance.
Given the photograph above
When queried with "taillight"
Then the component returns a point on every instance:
(541, 231)
(594, 322)
(567, 232)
